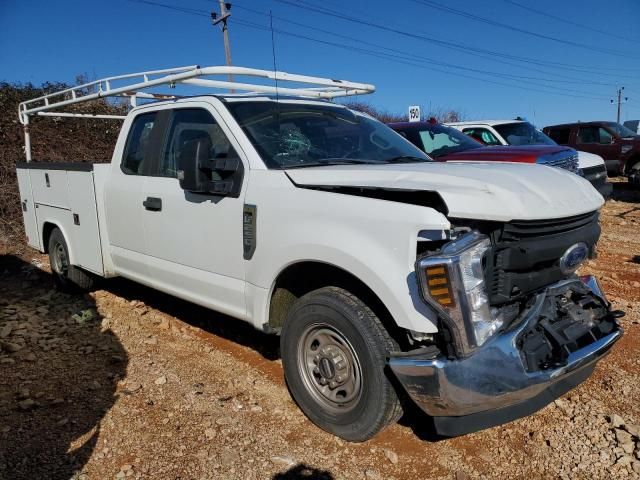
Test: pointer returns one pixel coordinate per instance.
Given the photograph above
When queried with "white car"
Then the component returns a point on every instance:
(521, 132)
(377, 266)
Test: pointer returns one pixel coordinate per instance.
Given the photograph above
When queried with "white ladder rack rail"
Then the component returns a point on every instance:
(191, 75)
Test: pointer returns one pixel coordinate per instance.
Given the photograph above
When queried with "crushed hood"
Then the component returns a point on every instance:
(470, 190)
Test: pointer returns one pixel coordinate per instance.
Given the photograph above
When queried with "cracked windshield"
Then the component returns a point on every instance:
(291, 135)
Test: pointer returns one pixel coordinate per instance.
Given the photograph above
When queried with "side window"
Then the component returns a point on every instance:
(437, 141)
(136, 157)
(482, 135)
(588, 135)
(189, 124)
(605, 137)
(560, 135)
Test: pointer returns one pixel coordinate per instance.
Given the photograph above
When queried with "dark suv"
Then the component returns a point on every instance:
(618, 145)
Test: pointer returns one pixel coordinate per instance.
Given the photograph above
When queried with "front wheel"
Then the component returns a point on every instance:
(67, 277)
(334, 352)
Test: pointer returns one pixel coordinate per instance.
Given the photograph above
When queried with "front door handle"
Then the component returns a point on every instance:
(153, 203)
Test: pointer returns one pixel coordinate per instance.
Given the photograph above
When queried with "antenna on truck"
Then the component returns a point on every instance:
(273, 52)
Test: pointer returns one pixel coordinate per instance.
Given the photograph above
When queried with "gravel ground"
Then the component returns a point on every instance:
(130, 383)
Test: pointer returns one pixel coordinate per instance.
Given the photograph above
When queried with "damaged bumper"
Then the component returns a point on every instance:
(544, 355)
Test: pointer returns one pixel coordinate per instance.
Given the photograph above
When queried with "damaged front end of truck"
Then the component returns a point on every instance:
(519, 326)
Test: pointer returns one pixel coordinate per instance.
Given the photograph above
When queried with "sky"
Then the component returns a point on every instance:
(549, 61)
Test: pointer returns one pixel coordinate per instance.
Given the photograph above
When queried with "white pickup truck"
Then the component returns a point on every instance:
(384, 273)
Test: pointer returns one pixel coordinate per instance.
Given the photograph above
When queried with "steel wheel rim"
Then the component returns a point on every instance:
(330, 368)
(60, 262)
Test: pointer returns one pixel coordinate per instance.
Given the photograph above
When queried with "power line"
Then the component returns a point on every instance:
(405, 61)
(467, 49)
(189, 11)
(390, 57)
(570, 22)
(410, 56)
(489, 21)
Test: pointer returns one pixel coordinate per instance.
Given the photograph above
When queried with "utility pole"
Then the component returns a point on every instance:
(225, 13)
(620, 90)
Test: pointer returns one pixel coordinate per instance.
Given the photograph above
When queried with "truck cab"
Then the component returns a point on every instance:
(387, 275)
(617, 144)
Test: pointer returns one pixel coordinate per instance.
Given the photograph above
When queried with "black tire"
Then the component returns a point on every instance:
(66, 276)
(634, 173)
(329, 315)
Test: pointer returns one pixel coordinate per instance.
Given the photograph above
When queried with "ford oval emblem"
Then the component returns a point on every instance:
(573, 257)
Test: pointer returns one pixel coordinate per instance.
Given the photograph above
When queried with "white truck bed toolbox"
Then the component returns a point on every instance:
(62, 194)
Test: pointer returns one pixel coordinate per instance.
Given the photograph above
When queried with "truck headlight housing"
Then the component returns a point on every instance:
(452, 281)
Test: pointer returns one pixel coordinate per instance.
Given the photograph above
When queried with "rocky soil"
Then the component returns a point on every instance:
(130, 383)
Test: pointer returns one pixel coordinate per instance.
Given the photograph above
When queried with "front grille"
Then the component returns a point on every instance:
(566, 160)
(523, 229)
(525, 254)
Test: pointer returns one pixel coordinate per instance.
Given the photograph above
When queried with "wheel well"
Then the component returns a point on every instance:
(301, 278)
(47, 228)
(631, 162)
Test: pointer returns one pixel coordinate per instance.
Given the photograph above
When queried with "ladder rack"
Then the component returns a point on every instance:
(132, 85)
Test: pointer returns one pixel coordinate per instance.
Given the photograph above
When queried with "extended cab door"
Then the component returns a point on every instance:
(194, 241)
(124, 194)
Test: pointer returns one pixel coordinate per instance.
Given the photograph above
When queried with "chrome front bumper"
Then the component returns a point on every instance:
(493, 386)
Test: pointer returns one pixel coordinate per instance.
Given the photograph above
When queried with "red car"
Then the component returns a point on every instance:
(447, 144)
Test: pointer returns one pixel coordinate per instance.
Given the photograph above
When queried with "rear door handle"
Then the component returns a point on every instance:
(153, 203)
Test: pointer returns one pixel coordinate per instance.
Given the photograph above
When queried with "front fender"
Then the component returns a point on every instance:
(373, 240)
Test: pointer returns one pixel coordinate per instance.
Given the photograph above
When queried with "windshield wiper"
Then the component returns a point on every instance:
(334, 161)
(406, 159)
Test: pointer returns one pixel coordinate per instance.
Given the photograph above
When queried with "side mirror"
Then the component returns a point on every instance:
(193, 154)
(197, 173)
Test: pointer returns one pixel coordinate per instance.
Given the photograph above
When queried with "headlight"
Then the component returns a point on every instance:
(452, 281)
(626, 148)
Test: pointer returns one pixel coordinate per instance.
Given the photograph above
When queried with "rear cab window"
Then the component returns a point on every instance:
(137, 156)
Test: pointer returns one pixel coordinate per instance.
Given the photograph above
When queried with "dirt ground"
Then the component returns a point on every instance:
(127, 382)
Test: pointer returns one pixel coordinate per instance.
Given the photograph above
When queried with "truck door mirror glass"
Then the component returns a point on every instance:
(200, 155)
(194, 155)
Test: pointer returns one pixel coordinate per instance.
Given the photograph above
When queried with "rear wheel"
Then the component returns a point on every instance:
(334, 352)
(634, 173)
(66, 276)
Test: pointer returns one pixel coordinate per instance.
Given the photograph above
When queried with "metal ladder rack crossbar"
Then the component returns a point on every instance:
(48, 105)
(190, 75)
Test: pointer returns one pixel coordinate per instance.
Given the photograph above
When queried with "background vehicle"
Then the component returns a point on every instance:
(619, 146)
(447, 144)
(321, 224)
(633, 125)
(520, 132)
